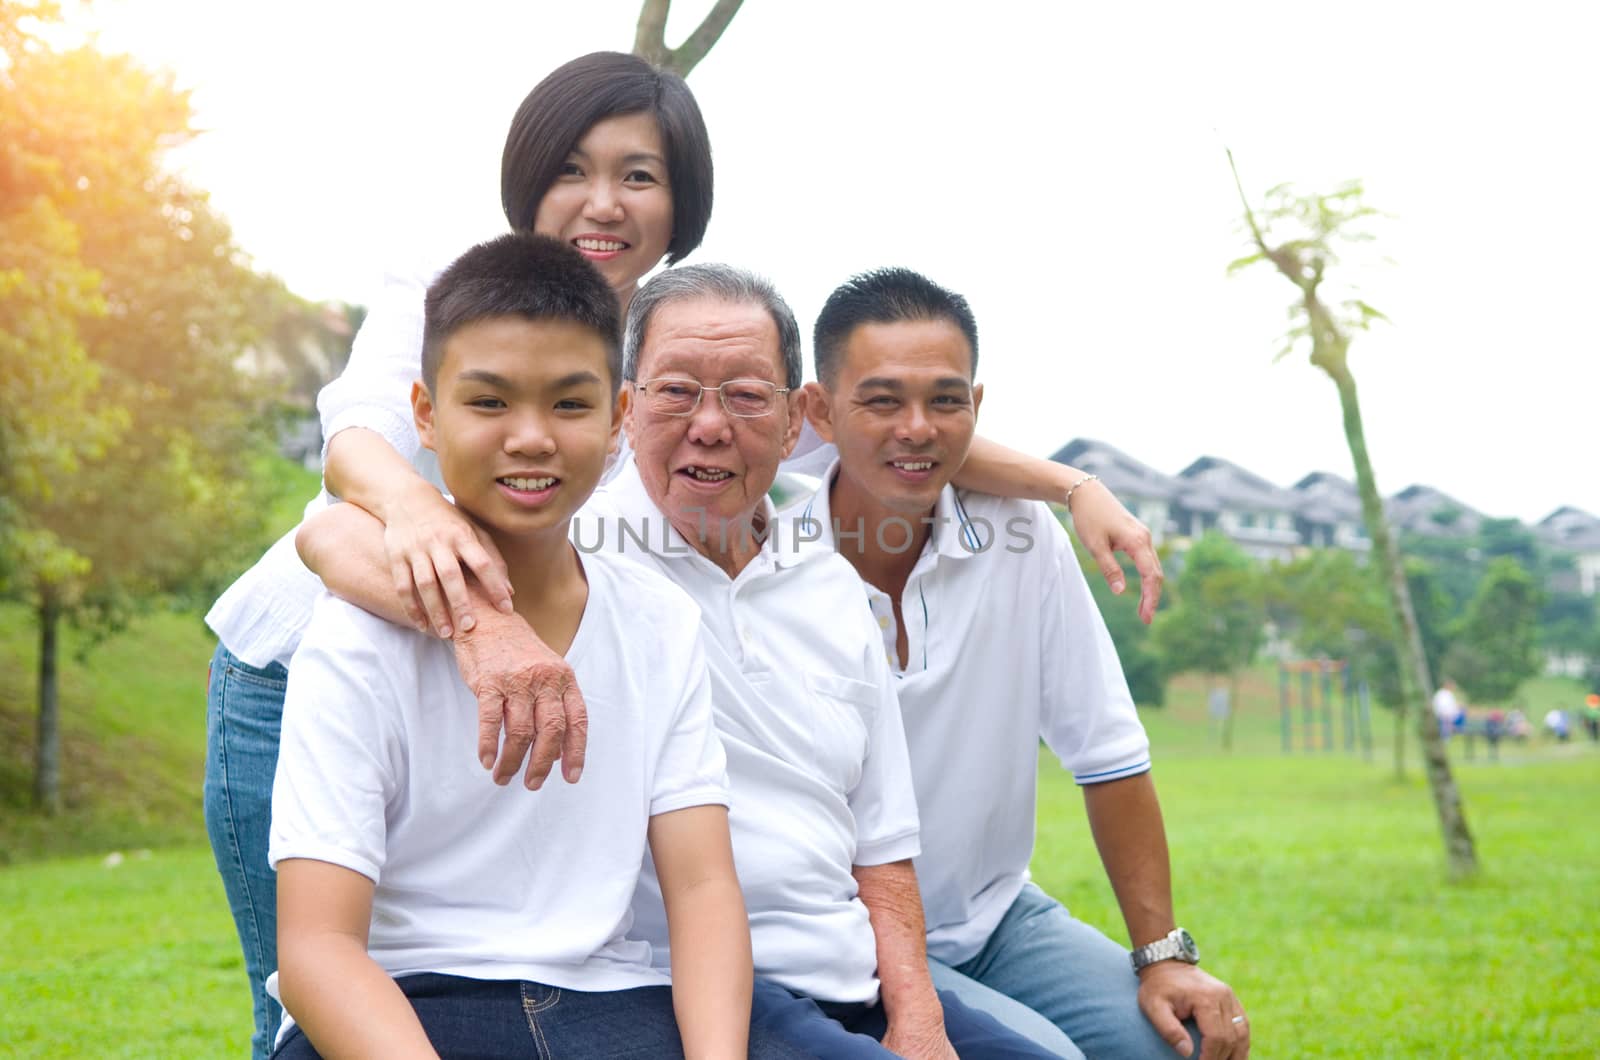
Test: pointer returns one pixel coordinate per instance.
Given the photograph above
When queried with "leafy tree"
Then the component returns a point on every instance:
(127, 429)
(650, 43)
(1309, 232)
(1141, 665)
(1495, 646)
(1216, 624)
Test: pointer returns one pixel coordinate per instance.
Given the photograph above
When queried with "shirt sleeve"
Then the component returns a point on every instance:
(1088, 716)
(374, 389)
(692, 769)
(884, 800)
(341, 752)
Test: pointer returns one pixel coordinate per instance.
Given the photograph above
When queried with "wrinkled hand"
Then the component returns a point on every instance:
(528, 690)
(1105, 527)
(429, 542)
(1171, 992)
(924, 1040)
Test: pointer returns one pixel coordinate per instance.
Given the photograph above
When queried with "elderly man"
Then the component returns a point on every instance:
(823, 818)
(995, 643)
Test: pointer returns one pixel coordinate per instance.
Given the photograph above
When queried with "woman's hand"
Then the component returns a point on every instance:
(429, 544)
(1105, 527)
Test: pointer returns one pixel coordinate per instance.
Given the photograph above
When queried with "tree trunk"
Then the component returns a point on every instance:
(650, 36)
(1233, 705)
(1401, 716)
(1413, 661)
(47, 757)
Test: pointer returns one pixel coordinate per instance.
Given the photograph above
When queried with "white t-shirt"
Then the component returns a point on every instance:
(816, 754)
(378, 773)
(1445, 705)
(1006, 648)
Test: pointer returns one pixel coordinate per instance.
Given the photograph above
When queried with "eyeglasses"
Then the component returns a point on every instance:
(745, 398)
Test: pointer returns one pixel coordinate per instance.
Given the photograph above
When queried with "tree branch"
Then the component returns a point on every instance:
(650, 44)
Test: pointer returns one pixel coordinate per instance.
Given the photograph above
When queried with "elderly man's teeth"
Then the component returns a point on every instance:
(531, 484)
(914, 465)
(600, 244)
(705, 475)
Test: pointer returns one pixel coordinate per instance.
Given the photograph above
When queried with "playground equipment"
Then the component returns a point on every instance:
(1357, 699)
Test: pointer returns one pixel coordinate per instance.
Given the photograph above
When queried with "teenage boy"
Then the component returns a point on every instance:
(422, 907)
(995, 644)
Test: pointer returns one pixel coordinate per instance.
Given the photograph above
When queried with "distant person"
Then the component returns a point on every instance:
(423, 908)
(1591, 716)
(1494, 730)
(996, 644)
(1447, 709)
(612, 156)
(1517, 724)
(1557, 724)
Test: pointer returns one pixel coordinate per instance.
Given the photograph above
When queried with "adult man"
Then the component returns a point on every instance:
(995, 641)
(823, 820)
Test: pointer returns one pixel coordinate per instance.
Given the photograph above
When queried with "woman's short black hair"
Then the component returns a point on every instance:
(590, 89)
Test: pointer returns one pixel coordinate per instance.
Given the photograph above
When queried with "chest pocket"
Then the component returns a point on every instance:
(843, 712)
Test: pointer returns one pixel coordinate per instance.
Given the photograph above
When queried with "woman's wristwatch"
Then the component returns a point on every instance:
(1176, 945)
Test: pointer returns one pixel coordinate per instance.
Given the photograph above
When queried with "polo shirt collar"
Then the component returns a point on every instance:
(954, 533)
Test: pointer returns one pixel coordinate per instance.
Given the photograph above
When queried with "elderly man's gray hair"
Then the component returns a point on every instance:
(724, 283)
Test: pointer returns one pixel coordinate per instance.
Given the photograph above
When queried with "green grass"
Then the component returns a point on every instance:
(133, 721)
(139, 960)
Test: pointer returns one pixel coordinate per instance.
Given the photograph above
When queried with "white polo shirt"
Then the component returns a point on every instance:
(378, 773)
(816, 754)
(1006, 647)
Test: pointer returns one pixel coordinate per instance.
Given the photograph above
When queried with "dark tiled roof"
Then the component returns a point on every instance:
(1125, 475)
(1222, 483)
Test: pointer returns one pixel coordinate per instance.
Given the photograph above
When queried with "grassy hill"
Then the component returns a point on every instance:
(133, 713)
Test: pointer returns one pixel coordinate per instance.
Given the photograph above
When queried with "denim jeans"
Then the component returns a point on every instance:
(244, 708)
(485, 1019)
(854, 1031)
(1064, 970)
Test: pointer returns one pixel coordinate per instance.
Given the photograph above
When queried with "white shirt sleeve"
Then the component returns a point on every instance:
(884, 801)
(692, 769)
(374, 390)
(1087, 713)
(341, 751)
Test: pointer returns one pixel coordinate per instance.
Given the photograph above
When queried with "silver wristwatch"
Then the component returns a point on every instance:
(1176, 945)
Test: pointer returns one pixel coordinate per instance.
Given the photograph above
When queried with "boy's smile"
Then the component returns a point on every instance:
(521, 417)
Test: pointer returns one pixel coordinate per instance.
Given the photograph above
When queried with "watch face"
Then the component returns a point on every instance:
(1190, 951)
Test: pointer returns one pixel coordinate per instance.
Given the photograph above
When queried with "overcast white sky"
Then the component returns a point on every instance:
(1060, 164)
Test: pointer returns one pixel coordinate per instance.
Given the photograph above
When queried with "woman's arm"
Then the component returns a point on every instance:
(1099, 520)
(708, 930)
(347, 1005)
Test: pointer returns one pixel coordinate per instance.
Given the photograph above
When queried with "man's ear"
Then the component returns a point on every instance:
(422, 412)
(797, 400)
(977, 399)
(819, 410)
(620, 410)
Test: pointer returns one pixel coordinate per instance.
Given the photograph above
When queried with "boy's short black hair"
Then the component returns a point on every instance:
(590, 89)
(519, 275)
(884, 296)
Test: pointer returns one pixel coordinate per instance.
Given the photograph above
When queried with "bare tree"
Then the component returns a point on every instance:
(649, 40)
(1321, 224)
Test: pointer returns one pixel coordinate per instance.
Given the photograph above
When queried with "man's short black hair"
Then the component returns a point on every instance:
(519, 275)
(884, 296)
(589, 89)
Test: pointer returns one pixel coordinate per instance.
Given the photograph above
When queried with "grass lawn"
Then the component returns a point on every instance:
(1314, 884)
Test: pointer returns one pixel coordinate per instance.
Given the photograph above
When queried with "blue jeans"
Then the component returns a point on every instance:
(836, 1031)
(1067, 972)
(484, 1019)
(244, 708)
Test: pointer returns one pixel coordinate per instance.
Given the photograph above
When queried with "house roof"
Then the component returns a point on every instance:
(1126, 476)
(1211, 483)
(1424, 510)
(1323, 497)
(1571, 528)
